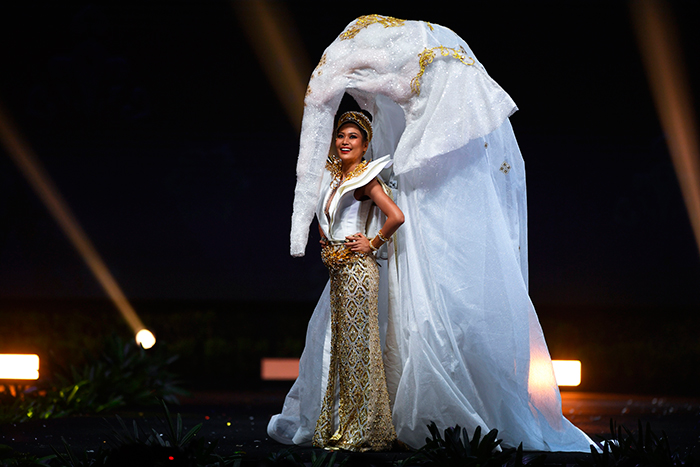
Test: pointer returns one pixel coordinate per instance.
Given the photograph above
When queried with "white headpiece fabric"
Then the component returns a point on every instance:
(421, 82)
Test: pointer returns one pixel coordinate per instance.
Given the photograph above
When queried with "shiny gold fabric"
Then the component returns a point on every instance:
(356, 381)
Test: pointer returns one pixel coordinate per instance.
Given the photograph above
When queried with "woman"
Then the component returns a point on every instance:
(356, 385)
(463, 344)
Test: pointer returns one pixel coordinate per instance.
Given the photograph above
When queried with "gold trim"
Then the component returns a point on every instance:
(359, 119)
(426, 57)
(334, 165)
(364, 21)
(316, 73)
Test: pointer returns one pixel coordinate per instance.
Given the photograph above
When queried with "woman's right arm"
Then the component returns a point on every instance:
(394, 218)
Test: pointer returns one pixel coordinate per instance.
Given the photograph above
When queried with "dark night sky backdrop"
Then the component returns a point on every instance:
(157, 124)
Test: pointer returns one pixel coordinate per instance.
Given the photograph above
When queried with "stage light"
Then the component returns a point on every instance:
(40, 181)
(279, 50)
(16, 366)
(145, 339)
(661, 53)
(567, 372)
(279, 369)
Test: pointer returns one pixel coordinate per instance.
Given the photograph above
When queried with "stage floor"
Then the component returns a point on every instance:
(238, 420)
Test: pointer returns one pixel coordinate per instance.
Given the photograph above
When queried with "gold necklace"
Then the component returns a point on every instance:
(335, 167)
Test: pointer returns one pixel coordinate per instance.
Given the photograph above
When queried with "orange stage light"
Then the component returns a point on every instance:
(279, 369)
(567, 372)
(18, 366)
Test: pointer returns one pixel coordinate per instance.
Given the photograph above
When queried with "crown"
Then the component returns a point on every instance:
(359, 119)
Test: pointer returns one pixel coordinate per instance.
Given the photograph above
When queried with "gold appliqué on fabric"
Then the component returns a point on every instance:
(505, 167)
(363, 21)
(356, 378)
(318, 71)
(334, 166)
(426, 57)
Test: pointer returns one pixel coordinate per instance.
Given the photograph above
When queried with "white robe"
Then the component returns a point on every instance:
(463, 343)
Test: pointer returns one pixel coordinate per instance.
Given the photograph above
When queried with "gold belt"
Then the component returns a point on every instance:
(336, 254)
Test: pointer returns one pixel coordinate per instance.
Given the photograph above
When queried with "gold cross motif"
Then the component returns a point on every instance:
(505, 167)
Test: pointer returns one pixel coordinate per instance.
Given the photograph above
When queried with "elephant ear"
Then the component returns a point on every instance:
(421, 82)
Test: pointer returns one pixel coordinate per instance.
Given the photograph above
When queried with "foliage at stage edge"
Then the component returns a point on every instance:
(122, 374)
(624, 449)
(456, 449)
(176, 447)
(10, 458)
(138, 447)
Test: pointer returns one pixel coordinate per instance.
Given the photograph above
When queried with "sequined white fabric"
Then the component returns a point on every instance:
(463, 343)
(456, 102)
(342, 224)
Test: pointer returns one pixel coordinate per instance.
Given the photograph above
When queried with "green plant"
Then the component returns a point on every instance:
(11, 458)
(174, 445)
(122, 374)
(625, 449)
(456, 449)
(70, 459)
(42, 403)
(290, 458)
(326, 459)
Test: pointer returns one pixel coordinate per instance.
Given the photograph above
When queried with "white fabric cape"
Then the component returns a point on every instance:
(463, 345)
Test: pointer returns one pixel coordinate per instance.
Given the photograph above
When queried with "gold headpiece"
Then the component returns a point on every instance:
(359, 119)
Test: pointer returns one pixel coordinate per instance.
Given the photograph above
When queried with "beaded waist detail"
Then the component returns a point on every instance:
(336, 254)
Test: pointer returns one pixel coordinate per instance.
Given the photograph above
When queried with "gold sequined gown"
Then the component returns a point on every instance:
(355, 412)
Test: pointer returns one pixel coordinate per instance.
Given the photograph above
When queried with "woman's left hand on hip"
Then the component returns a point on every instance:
(358, 242)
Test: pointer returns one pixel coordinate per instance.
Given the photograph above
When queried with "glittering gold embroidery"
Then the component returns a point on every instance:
(336, 257)
(426, 57)
(335, 166)
(318, 71)
(356, 378)
(364, 21)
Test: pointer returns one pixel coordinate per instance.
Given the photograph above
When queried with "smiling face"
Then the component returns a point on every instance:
(350, 144)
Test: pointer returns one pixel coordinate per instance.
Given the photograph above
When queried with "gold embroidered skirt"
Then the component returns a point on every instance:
(356, 380)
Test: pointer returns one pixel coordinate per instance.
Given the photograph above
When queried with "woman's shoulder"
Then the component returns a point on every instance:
(369, 173)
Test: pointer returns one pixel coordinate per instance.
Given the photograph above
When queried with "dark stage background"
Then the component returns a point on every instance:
(161, 130)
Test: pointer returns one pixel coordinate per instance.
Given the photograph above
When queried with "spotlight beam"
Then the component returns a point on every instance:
(279, 52)
(29, 165)
(661, 54)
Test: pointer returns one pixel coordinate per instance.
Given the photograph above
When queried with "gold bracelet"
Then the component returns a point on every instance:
(382, 237)
(371, 246)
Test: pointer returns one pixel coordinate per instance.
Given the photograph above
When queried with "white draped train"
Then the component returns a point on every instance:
(463, 343)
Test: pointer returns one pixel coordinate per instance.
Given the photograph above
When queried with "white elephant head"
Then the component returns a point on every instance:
(425, 89)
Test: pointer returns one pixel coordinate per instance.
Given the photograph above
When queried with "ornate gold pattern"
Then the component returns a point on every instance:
(336, 257)
(335, 166)
(359, 119)
(318, 71)
(364, 21)
(356, 373)
(426, 57)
